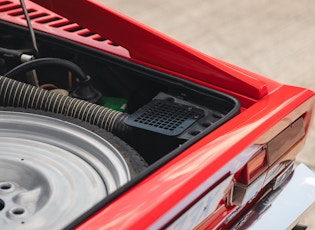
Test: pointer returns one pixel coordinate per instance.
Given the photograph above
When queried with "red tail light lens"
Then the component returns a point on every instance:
(254, 167)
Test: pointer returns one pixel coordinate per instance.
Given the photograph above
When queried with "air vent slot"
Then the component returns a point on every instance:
(74, 28)
(87, 33)
(62, 23)
(17, 12)
(8, 7)
(5, 3)
(113, 44)
(48, 20)
(99, 38)
(37, 15)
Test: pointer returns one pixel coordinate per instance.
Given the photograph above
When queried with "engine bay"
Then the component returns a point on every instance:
(118, 117)
(160, 108)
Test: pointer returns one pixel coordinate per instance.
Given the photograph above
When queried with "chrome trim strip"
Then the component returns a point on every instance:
(202, 208)
(280, 208)
(187, 201)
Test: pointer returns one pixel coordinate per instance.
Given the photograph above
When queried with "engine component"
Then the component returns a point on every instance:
(84, 91)
(172, 116)
(168, 121)
(18, 94)
(164, 115)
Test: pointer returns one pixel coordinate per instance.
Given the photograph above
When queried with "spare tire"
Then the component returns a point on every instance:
(53, 168)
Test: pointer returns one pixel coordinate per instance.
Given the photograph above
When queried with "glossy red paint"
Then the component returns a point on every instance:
(161, 196)
(51, 23)
(215, 221)
(149, 46)
(168, 187)
(63, 28)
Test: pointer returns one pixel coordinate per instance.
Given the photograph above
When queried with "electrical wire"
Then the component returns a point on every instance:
(31, 30)
(45, 86)
(44, 62)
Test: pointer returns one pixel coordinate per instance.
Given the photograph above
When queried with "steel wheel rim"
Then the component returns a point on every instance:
(52, 170)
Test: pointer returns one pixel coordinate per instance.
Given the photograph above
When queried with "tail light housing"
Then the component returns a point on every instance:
(255, 167)
(268, 161)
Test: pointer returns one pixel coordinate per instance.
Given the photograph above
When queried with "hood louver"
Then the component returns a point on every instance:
(49, 22)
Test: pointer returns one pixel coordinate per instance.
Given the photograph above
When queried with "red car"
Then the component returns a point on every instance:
(107, 124)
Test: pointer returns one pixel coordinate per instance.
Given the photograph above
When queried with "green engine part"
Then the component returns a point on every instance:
(114, 103)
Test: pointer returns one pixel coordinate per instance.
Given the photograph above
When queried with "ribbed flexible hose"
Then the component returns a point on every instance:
(17, 94)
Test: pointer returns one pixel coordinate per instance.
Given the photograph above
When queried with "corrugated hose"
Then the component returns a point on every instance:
(18, 94)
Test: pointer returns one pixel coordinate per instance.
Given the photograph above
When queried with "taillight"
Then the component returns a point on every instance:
(267, 162)
(248, 181)
(254, 167)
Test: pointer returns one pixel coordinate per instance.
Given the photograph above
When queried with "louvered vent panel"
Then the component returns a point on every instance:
(47, 18)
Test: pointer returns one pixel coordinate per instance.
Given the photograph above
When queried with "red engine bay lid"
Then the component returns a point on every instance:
(148, 46)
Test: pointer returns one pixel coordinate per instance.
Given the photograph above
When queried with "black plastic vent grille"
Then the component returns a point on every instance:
(166, 117)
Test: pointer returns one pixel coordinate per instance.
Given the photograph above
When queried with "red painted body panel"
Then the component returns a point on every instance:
(156, 195)
(240, 83)
(151, 47)
(47, 24)
(162, 195)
